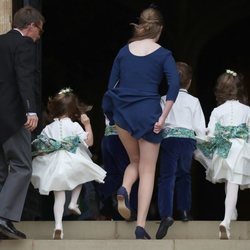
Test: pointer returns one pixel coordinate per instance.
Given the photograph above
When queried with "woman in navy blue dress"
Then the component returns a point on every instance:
(132, 103)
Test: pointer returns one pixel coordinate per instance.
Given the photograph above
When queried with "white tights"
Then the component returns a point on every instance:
(59, 208)
(75, 195)
(59, 202)
(230, 202)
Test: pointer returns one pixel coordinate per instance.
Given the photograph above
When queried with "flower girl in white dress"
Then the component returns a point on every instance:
(226, 154)
(62, 160)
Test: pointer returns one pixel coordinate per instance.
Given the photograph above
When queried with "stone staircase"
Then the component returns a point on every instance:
(119, 235)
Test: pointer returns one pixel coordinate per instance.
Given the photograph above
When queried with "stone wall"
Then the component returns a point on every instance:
(5, 15)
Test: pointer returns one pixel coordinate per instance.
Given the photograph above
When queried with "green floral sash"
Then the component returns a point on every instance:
(178, 132)
(45, 145)
(221, 141)
(110, 130)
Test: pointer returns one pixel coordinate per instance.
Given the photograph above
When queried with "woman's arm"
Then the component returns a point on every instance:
(159, 125)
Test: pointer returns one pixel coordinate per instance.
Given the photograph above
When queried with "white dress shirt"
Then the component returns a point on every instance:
(186, 113)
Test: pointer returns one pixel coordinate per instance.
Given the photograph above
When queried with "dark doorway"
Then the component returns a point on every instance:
(75, 53)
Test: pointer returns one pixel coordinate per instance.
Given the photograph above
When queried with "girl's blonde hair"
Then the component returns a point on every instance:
(149, 26)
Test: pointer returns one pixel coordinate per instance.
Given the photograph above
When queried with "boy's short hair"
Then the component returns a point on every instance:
(185, 73)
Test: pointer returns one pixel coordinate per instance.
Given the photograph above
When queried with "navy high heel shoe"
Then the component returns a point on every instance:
(123, 203)
(140, 233)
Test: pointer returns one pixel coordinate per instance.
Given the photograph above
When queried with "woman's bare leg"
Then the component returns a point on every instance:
(131, 145)
(147, 165)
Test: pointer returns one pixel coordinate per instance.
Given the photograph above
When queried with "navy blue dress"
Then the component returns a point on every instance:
(132, 100)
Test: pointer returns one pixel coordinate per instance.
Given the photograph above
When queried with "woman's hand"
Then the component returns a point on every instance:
(158, 125)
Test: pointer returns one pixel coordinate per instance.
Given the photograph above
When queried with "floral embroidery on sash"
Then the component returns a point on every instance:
(178, 132)
(45, 145)
(221, 143)
(110, 130)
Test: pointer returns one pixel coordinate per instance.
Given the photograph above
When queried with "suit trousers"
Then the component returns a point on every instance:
(15, 174)
(115, 161)
(174, 176)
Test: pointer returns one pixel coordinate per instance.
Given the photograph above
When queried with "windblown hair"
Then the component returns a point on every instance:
(185, 73)
(26, 16)
(149, 26)
(230, 87)
(66, 104)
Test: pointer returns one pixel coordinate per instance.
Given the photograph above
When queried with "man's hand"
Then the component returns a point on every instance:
(31, 122)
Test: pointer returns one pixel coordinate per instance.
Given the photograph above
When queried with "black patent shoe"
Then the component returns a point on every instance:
(8, 229)
(185, 216)
(141, 234)
(163, 228)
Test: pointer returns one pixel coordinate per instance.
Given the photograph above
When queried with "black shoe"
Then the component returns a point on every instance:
(185, 216)
(3, 237)
(141, 234)
(8, 229)
(163, 228)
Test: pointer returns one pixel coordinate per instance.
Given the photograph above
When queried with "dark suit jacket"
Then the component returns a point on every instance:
(17, 82)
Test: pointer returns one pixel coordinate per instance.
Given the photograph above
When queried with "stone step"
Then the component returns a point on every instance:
(108, 230)
(119, 235)
(192, 244)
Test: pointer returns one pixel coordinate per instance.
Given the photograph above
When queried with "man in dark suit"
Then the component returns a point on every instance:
(18, 114)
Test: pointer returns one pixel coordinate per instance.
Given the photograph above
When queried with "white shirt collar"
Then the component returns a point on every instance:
(19, 31)
(183, 90)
